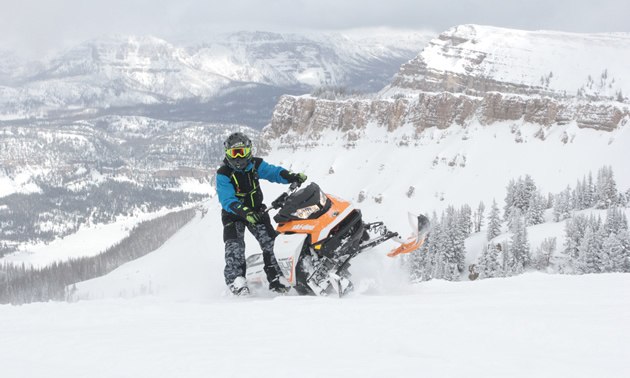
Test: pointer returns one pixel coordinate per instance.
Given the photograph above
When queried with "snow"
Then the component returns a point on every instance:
(532, 325)
(21, 182)
(88, 241)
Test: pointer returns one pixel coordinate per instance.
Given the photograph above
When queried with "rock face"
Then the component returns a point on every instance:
(477, 74)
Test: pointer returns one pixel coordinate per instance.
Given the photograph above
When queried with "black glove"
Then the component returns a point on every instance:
(250, 215)
(293, 177)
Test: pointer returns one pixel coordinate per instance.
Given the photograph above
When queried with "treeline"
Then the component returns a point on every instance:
(58, 211)
(22, 284)
(592, 245)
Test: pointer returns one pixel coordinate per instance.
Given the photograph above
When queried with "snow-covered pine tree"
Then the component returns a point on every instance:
(519, 245)
(519, 195)
(589, 258)
(563, 205)
(574, 231)
(489, 265)
(478, 217)
(451, 252)
(494, 222)
(507, 259)
(606, 188)
(544, 253)
(536, 209)
(509, 199)
(616, 221)
(465, 220)
(614, 259)
(624, 238)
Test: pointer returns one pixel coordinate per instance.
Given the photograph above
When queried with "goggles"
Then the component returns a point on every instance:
(239, 152)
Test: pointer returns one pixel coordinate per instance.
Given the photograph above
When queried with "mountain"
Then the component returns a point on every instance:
(475, 60)
(478, 74)
(152, 77)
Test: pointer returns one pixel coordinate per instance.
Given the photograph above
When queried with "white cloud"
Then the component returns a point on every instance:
(39, 25)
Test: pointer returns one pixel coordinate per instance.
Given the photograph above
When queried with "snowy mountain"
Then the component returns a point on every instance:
(156, 78)
(475, 60)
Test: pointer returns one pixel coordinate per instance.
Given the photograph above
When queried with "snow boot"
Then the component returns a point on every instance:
(239, 287)
(278, 287)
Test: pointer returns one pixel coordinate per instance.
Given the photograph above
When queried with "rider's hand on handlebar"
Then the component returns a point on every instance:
(298, 178)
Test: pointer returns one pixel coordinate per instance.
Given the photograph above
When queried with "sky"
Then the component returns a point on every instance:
(38, 26)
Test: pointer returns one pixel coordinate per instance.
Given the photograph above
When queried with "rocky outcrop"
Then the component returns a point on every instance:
(301, 121)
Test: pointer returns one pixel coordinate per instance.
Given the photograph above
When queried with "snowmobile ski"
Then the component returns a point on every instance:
(422, 226)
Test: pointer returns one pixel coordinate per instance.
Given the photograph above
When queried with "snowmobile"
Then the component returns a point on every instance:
(318, 235)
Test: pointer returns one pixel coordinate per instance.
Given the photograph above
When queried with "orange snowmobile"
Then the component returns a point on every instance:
(318, 236)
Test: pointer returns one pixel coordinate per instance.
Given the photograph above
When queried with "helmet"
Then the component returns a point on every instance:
(238, 150)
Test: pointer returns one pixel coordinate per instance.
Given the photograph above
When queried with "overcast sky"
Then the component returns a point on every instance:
(36, 26)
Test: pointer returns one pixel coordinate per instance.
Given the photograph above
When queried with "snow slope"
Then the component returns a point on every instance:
(532, 325)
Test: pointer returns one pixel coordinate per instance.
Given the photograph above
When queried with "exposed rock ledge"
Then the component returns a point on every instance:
(297, 117)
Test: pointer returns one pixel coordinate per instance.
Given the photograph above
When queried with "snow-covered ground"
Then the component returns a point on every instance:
(533, 325)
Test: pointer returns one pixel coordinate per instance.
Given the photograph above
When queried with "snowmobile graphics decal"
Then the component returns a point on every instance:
(303, 227)
(286, 265)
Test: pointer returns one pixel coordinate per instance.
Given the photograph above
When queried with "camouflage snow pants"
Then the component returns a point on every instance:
(234, 239)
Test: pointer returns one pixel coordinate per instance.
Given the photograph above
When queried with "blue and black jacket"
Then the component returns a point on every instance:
(240, 188)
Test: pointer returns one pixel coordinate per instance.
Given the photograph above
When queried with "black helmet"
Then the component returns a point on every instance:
(238, 150)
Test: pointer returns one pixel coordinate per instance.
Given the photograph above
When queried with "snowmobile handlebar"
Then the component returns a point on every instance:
(282, 198)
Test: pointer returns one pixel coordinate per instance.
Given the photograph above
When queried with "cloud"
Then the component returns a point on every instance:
(39, 25)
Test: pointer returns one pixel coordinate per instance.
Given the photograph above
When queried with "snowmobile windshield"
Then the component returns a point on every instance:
(307, 203)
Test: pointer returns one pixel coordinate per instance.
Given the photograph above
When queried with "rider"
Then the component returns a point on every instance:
(242, 201)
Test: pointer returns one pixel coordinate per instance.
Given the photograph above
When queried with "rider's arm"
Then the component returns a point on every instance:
(271, 173)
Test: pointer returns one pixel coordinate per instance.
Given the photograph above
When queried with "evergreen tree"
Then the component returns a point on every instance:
(589, 258)
(479, 217)
(563, 205)
(507, 261)
(613, 254)
(536, 209)
(465, 220)
(519, 245)
(494, 222)
(616, 221)
(489, 265)
(544, 253)
(606, 188)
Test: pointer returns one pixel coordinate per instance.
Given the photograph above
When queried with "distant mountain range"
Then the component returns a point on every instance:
(234, 78)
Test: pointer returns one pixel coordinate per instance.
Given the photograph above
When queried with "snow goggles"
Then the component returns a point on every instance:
(239, 152)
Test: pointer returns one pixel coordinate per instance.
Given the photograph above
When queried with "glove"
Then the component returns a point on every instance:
(252, 216)
(296, 177)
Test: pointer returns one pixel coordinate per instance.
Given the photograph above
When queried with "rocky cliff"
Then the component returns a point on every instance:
(477, 74)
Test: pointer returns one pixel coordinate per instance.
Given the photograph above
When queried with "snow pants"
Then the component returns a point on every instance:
(234, 239)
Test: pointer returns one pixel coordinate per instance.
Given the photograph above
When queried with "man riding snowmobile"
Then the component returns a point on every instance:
(241, 198)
